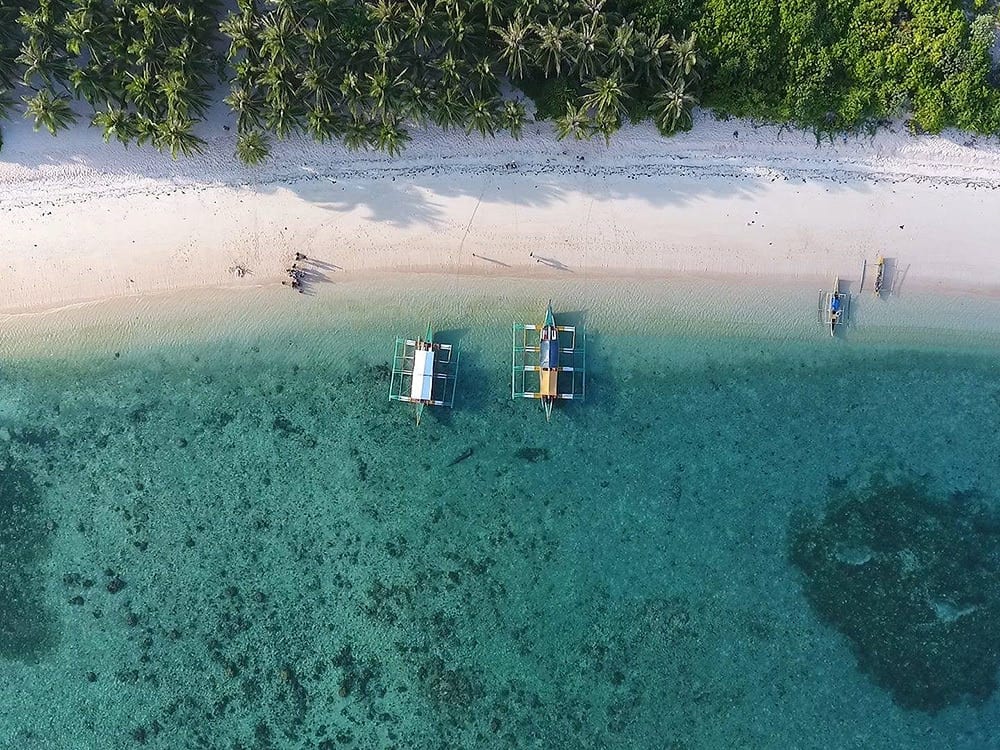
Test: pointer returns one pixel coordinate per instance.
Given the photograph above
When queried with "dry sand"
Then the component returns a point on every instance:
(84, 220)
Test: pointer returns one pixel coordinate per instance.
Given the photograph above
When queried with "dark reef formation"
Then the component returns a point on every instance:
(26, 627)
(913, 582)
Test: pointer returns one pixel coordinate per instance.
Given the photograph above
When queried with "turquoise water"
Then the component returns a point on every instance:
(244, 544)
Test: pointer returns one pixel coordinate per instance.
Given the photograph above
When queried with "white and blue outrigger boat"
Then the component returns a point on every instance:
(557, 354)
(424, 372)
(834, 307)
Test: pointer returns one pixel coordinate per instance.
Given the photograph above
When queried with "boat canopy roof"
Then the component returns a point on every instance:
(549, 352)
(548, 381)
(423, 375)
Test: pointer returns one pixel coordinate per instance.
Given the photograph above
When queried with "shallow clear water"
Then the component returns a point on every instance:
(303, 565)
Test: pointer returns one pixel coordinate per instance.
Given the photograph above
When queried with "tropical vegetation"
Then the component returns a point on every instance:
(365, 72)
(840, 64)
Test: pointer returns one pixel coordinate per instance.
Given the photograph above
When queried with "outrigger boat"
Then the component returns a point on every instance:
(424, 372)
(834, 307)
(879, 275)
(557, 354)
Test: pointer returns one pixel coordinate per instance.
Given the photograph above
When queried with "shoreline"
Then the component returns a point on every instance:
(774, 312)
(418, 276)
(89, 221)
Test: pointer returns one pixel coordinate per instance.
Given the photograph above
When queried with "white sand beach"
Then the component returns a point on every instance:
(84, 220)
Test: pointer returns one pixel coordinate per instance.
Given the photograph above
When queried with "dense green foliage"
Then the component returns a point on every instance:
(359, 71)
(363, 71)
(841, 64)
(143, 68)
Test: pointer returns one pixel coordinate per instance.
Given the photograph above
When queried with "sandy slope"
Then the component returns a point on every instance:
(83, 220)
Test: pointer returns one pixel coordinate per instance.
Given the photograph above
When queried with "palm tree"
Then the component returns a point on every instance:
(685, 55)
(575, 122)
(253, 147)
(607, 126)
(9, 43)
(93, 84)
(417, 102)
(463, 35)
(40, 24)
(651, 48)
(385, 49)
(607, 96)
(282, 99)
(115, 122)
(323, 123)
(241, 28)
(141, 91)
(480, 114)
(51, 111)
(278, 39)
(282, 119)
(452, 68)
(389, 16)
(175, 136)
(248, 106)
(86, 26)
(145, 130)
(551, 47)
(384, 91)
(512, 118)
(182, 94)
(358, 133)
(391, 137)
(622, 47)
(40, 59)
(514, 37)
(672, 106)
(350, 90)
(587, 39)
(317, 81)
(145, 54)
(419, 25)
(490, 10)
(447, 109)
(320, 48)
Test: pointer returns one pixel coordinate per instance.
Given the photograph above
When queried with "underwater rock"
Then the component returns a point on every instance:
(913, 582)
(446, 688)
(533, 455)
(115, 585)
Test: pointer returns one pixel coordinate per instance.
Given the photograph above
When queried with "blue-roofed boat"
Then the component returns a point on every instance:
(834, 307)
(557, 354)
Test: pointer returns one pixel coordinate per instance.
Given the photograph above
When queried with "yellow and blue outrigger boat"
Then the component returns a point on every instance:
(424, 372)
(557, 354)
(879, 276)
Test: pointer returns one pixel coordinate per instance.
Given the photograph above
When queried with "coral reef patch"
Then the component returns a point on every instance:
(26, 627)
(913, 582)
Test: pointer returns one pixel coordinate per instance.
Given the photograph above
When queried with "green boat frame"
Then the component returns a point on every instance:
(526, 364)
(443, 378)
